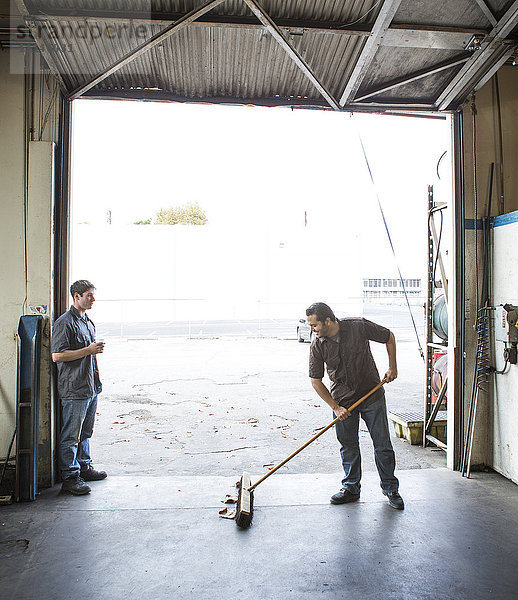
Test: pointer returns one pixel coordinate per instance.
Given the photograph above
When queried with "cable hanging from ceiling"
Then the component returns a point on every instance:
(362, 17)
(421, 352)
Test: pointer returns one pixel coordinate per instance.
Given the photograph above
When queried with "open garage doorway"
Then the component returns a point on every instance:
(275, 209)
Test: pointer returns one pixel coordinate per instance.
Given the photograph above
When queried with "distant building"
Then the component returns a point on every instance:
(386, 288)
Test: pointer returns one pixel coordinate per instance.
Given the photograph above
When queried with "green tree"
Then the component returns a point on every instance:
(187, 214)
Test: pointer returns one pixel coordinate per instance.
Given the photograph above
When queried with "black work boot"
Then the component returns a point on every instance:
(344, 496)
(395, 500)
(76, 486)
(90, 474)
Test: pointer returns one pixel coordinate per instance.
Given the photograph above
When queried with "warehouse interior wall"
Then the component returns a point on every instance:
(503, 406)
(31, 118)
(29, 126)
(490, 135)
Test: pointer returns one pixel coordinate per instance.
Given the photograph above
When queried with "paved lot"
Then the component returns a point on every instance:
(395, 317)
(220, 406)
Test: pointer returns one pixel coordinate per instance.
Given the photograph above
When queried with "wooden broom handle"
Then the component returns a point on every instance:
(357, 403)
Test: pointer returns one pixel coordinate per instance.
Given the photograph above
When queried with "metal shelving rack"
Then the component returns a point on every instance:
(431, 410)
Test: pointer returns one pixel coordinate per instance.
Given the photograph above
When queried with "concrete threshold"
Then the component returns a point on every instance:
(162, 537)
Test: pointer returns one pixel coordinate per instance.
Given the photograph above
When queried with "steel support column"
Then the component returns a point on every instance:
(457, 318)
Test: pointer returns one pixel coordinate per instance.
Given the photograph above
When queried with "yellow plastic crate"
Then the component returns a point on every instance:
(409, 425)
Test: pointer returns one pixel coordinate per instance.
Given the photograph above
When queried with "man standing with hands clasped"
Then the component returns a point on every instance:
(343, 347)
(74, 351)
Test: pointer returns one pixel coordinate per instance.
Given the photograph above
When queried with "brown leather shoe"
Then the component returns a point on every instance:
(344, 496)
(395, 500)
(91, 474)
(75, 486)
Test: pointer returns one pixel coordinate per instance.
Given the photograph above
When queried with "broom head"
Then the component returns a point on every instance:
(245, 503)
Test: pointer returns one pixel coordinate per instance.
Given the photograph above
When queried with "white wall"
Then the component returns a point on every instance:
(12, 278)
(40, 226)
(26, 228)
(504, 397)
(197, 272)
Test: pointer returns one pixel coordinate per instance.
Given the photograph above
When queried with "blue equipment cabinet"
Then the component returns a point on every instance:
(27, 403)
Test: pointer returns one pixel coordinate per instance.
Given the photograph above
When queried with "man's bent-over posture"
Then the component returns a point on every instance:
(74, 350)
(343, 347)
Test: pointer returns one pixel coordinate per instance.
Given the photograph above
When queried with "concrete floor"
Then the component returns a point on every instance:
(152, 529)
(161, 537)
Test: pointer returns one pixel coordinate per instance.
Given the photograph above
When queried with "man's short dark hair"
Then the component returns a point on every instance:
(321, 311)
(81, 286)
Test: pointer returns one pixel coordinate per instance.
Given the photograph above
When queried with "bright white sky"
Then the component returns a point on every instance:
(261, 166)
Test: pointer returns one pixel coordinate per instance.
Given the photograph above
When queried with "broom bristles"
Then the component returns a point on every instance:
(245, 503)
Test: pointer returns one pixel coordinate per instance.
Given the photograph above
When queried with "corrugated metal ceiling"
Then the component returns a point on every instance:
(350, 55)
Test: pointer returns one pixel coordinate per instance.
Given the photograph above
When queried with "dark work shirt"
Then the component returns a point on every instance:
(348, 360)
(77, 379)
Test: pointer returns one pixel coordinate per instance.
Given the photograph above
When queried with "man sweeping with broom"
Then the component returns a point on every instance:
(343, 347)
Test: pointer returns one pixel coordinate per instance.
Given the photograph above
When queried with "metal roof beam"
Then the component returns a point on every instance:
(23, 10)
(487, 11)
(413, 77)
(400, 34)
(153, 41)
(402, 104)
(493, 53)
(153, 95)
(292, 52)
(383, 20)
(500, 62)
(166, 18)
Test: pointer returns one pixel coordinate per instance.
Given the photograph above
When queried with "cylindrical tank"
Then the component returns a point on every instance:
(440, 317)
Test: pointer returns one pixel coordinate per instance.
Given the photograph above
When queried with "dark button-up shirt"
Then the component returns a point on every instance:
(348, 360)
(77, 379)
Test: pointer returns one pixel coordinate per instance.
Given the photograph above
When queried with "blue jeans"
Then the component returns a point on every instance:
(76, 431)
(375, 417)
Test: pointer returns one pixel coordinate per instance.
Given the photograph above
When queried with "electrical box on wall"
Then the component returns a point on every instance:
(512, 320)
(506, 330)
(501, 324)
(506, 323)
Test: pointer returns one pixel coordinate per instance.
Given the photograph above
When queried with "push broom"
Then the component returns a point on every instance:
(245, 500)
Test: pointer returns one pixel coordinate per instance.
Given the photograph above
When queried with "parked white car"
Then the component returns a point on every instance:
(304, 333)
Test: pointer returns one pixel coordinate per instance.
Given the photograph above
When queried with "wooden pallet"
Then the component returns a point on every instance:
(409, 424)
